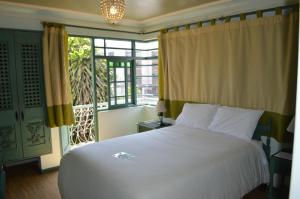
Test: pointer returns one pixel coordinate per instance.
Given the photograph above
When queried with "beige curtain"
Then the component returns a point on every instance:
(57, 83)
(249, 64)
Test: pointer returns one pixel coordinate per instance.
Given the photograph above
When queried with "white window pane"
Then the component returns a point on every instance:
(148, 53)
(112, 90)
(111, 74)
(128, 75)
(120, 74)
(147, 90)
(121, 100)
(112, 101)
(147, 81)
(146, 45)
(99, 51)
(147, 62)
(99, 42)
(141, 99)
(141, 45)
(118, 52)
(117, 44)
(129, 89)
(146, 71)
(120, 89)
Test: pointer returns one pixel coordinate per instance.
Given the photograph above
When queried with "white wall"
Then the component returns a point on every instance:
(120, 122)
(295, 178)
(112, 123)
(52, 159)
(150, 113)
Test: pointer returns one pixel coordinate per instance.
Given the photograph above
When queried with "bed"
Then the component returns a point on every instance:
(174, 162)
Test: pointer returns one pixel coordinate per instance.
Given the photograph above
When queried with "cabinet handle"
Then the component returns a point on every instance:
(22, 115)
(17, 115)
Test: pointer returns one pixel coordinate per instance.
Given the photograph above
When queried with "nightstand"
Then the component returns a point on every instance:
(150, 125)
(280, 163)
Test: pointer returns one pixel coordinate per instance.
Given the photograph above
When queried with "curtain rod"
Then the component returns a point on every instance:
(155, 31)
(243, 15)
(88, 27)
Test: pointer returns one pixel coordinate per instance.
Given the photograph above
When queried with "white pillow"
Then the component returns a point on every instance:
(236, 121)
(197, 115)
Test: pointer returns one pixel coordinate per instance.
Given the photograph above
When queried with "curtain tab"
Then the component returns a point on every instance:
(200, 24)
(164, 31)
(50, 24)
(242, 17)
(296, 8)
(227, 19)
(259, 14)
(278, 11)
(213, 22)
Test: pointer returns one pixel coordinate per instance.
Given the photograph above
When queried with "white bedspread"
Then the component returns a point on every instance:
(170, 163)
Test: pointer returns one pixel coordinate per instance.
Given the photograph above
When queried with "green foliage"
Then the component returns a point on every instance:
(80, 62)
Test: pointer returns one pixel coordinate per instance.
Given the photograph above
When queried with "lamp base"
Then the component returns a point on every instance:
(160, 116)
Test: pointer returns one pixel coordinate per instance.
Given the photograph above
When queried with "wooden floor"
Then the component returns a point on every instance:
(26, 182)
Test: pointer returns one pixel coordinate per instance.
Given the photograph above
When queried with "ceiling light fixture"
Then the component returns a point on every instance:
(112, 10)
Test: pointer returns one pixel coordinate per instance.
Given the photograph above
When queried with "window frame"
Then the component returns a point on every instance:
(126, 81)
(133, 58)
(146, 65)
(128, 58)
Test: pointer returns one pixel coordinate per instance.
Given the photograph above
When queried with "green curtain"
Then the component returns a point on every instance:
(247, 64)
(57, 83)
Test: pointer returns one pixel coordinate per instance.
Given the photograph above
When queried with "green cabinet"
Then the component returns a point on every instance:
(23, 133)
(10, 137)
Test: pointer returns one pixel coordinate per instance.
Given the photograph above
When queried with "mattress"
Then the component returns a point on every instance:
(175, 162)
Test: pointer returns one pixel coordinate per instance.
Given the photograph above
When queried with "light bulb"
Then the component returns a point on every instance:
(113, 10)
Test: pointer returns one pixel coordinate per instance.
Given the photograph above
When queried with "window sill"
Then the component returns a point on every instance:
(124, 107)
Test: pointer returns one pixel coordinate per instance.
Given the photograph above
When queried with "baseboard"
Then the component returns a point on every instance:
(18, 162)
(49, 169)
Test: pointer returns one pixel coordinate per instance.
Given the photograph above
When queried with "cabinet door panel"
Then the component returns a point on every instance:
(36, 137)
(10, 138)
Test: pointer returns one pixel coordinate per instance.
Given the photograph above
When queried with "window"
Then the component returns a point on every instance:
(120, 82)
(81, 79)
(146, 62)
(116, 57)
(126, 72)
(121, 76)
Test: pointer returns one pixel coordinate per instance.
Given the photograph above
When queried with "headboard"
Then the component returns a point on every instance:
(264, 129)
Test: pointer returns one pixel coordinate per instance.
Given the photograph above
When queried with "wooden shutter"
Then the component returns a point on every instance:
(10, 137)
(36, 136)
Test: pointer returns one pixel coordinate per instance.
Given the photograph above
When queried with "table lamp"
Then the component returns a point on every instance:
(160, 109)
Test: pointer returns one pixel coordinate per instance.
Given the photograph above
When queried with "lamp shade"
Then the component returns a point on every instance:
(160, 107)
(112, 10)
(291, 127)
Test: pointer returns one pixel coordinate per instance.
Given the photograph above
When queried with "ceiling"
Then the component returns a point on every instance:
(136, 9)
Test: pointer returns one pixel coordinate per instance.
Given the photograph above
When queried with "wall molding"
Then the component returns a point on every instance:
(24, 16)
(210, 11)
(35, 13)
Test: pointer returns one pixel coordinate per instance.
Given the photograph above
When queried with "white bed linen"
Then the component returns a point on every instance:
(171, 163)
